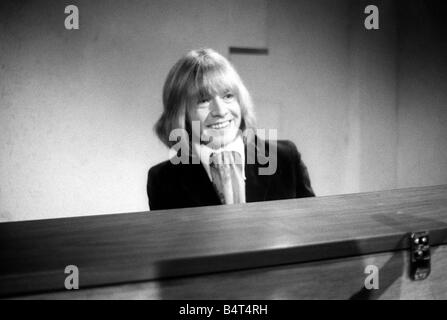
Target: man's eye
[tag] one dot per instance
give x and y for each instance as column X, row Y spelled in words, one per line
column 203, row 101
column 228, row 96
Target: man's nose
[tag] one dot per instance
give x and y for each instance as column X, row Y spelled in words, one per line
column 218, row 107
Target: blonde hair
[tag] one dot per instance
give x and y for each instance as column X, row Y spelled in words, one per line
column 199, row 73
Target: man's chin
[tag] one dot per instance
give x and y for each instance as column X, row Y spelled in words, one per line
column 219, row 142
column 216, row 144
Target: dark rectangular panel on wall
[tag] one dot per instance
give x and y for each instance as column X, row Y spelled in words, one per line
column 252, row 51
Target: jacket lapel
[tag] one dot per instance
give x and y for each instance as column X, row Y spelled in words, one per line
column 256, row 186
column 197, row 186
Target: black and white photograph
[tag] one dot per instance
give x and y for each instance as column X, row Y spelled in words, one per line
column 210, row 150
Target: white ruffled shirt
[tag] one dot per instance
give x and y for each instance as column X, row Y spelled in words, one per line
column 205, row 152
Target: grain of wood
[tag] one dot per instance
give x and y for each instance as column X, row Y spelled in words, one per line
column 122, row 248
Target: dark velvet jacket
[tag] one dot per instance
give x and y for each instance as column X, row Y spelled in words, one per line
column 172, row 186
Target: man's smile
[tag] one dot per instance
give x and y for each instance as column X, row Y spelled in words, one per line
column 220, row 124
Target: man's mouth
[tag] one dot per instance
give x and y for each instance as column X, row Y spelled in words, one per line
column 220, row 125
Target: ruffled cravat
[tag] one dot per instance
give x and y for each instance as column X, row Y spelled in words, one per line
column 226, row 173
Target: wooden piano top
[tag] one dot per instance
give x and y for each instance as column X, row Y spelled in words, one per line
column 122, row 248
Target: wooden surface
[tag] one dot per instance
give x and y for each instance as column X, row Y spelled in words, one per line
column 114, row 249
column 341, row 278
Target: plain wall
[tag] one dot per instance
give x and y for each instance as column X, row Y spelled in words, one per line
column 77, row 107
column 422, row 92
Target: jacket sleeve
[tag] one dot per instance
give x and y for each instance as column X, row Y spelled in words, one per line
column 303, row 184
column 153, row 190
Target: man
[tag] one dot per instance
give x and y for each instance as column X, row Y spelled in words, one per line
column 225, row 161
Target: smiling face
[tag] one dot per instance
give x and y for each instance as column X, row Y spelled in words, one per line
column 204, row 88
column 219, row 115
column 214, row 104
